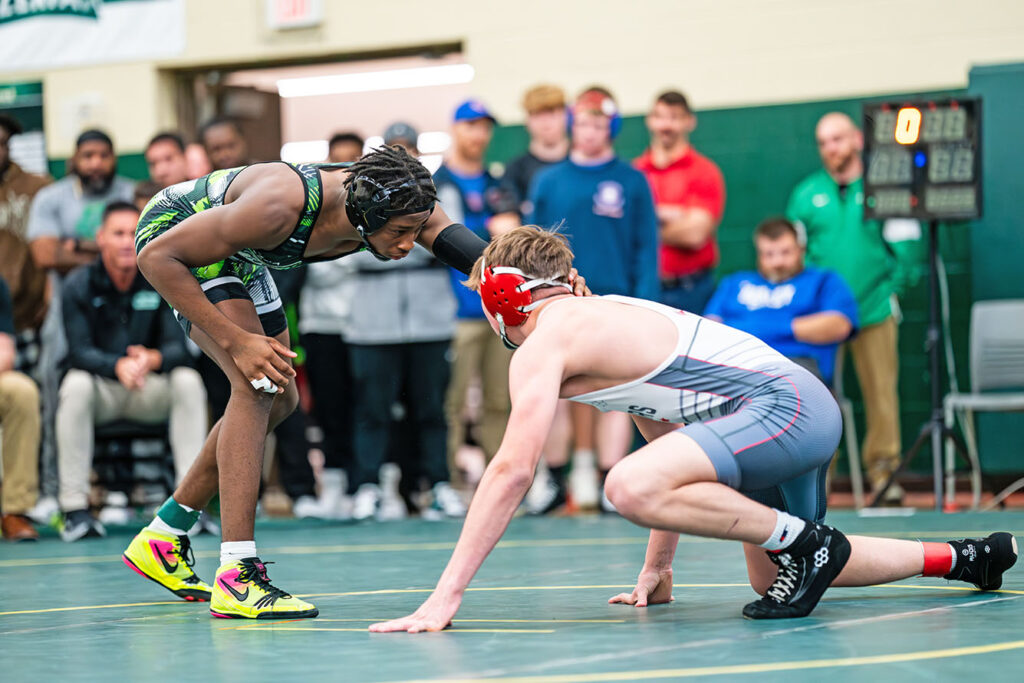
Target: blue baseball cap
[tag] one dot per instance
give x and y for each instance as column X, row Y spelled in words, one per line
column 472, row 110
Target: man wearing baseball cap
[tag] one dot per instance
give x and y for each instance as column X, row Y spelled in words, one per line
column 473, row 197
column 402, row 134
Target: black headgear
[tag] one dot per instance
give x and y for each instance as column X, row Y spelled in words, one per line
column 368, row 206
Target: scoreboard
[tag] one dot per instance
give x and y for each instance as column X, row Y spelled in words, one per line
column 922, row 159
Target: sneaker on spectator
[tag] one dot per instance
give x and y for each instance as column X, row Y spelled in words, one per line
column 366, row 502
column 336, row 504
column 45, row 512
column 545, row 496
column 308, row 507
column 79, row 524
column 206, row 524
column 606, row 505
column 392, row 505
column 583, row 480
column 115, row 511
column 446, row 503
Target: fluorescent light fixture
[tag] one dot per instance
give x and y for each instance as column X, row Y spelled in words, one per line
column 394, row 79
column 305, row 150
column 432, row 162
column 372, row 143
column 433, row 142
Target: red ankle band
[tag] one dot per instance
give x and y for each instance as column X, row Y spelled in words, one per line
column 938, row 559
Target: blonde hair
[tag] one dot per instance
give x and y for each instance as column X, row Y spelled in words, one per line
column 530, row 248
column 543, row 97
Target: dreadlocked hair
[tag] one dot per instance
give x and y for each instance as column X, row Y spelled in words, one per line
column 392, row 167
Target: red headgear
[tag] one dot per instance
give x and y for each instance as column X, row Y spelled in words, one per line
column 507, row 295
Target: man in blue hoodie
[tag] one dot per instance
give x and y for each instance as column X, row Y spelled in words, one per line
column 468, row 191
column 609, row 218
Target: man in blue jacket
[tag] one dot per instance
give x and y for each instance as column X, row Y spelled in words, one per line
column 804, row 313
column 609, row 218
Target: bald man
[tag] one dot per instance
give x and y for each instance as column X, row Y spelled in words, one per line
column 878, row 262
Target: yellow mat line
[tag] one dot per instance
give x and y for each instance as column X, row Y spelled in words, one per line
column 766, row 667
column 275, row 629
column 483, row 589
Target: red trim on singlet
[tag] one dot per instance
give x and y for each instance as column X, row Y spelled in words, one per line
column 796, row 414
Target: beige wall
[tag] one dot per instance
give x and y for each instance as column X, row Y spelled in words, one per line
column 721, row 52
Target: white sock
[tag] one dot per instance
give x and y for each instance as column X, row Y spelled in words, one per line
column 787, row 528
column 584, row 457
column 232, row 551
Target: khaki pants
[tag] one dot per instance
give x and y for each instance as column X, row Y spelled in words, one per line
column 19, row 422
column 876, row 360
column 478, row 352
column 87, row 400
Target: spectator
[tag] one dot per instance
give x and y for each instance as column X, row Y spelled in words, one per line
column 61, row 229
column 19, row 422
column 128, row 362
column 399, row 331
column 16, row 186
column 144, row 191
column 345, row 148
column 225, row 143
column 610, row 221
column 467, row 192
column 196, row 161
column 828, row 205
column 689, row 197
column 549, row 143
column 324, row 306
column 65, row 216
column 165, row 158
column 403, row 135
column 804, row 313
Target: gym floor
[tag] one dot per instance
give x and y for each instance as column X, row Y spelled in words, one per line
column 536, row 612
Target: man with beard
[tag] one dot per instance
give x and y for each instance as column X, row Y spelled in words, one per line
column 16, row 186
column 804, row 313
column 689, row 196
column 61, row 231
column 877, row 263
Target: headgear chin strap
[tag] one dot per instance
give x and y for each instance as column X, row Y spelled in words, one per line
column 368, row 207
column 506, row 294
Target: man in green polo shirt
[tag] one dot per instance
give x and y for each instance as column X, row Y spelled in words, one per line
column 877, row 262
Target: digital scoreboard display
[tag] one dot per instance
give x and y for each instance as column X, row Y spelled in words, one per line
column 922, row 159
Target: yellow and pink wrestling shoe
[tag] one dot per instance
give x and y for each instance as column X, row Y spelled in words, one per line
column 243, row 591
column 167, row 560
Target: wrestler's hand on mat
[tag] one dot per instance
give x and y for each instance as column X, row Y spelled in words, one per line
column 653, row 587
column 433, row 615
column 259, row 358
column 579, row 284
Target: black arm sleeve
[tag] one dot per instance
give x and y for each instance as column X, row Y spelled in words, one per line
column 459, row 247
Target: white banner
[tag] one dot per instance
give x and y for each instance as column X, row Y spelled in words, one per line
column 48, row 34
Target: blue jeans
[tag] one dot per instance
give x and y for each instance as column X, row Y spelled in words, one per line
column 689, row 293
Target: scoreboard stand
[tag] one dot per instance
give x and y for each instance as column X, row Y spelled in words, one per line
column 922, row 160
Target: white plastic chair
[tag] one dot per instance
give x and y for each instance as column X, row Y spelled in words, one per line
column 997, row 363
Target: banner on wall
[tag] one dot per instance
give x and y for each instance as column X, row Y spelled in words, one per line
column 49, row 34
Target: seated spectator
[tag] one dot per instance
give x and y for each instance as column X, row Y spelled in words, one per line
column 19, row 420
column 16, row 186
column 128, row 362
column 803, row 312
column 225, row 143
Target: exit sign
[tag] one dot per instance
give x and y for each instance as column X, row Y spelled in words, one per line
column 283, row 14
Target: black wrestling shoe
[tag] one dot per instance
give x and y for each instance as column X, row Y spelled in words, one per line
column 982, row 561
column 806, row 569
